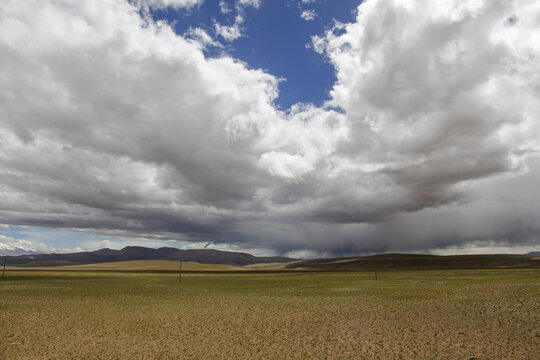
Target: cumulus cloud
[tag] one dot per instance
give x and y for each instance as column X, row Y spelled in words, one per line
column 422, row 87
column 10, row 246
column 224, row 7
column 235, row 30
column 229, row 33
column 202, row 38
column 117, row 125
column 308, row 15
column 246, row 3
column 161, row 4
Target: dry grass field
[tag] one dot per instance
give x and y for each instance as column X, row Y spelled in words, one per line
column 490, row 314
column 142, row 265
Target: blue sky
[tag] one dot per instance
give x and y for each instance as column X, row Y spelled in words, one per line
column 45, row 239
column 276, row 39
column 61, row 239
column 173, row 123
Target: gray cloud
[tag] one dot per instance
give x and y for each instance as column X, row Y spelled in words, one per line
column 117, row 125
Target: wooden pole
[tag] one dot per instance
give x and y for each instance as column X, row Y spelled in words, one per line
column 375, row 273
column 4, row 270
column 179, row 270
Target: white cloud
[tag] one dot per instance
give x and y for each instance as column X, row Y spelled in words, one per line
column 161, row 4
column 224, row 7
column 428, row 109
column 246, row 3
column 285, row 165
column 308, row 15
column 202, row 38
column 229, row 33
column 12, row 247
column 117, row 125
column 234, row 31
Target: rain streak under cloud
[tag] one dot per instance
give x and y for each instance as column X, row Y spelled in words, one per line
column 112, row 123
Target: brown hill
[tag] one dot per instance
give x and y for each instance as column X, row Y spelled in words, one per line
column 417, row 261
column 203, row 256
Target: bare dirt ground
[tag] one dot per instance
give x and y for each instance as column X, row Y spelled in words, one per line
column 404, row 315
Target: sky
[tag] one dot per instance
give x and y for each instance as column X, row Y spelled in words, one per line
column 302, row 128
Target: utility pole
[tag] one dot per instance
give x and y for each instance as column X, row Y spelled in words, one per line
column 375, row 272
column 4, row 271
column 179, row 270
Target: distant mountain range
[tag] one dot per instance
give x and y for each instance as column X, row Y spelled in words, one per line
column 211, row 256
column 203, row 256
column 420, row 261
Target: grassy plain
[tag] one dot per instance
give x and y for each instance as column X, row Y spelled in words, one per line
column 488, row 314
column 141, row 265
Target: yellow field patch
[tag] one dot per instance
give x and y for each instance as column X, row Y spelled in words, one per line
column 142, row 265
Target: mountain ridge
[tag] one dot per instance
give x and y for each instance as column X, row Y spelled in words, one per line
column 419, row 261
column 205, row 256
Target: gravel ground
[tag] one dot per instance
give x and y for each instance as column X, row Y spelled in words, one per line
column 403, row 315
